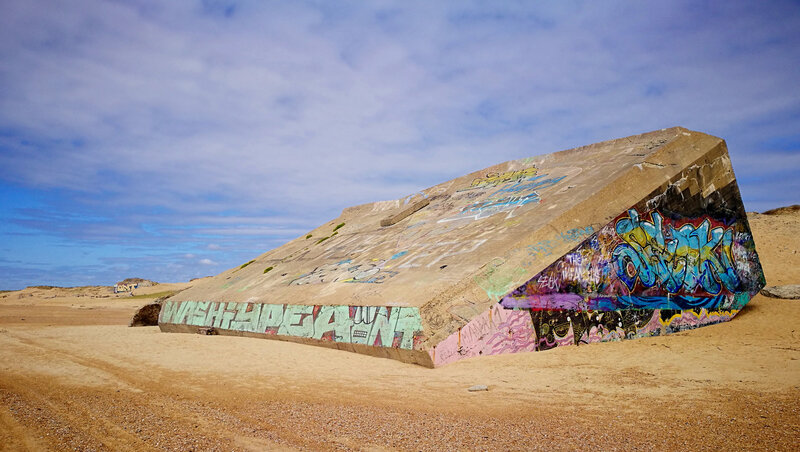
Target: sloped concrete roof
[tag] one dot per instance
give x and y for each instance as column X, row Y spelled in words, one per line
column 454, row 249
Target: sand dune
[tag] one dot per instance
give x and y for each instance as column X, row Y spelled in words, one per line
column 73, row 376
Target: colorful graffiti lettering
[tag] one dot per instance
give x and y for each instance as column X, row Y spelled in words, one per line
column 632, row 263
column 640, row 275
column 636, row 277
column 380, row 326
column 494, row 179
column 674, row 321
column 484, row 209
column 695, row 255
column 528, row 185
column 506, row 199
column 578, row 302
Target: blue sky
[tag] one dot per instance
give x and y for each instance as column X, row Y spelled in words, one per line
column 173, row 140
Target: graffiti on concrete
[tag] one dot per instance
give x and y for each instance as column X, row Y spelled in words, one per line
column 379, row 271
column 635, row 263
column 374, row 258
column 494, row 179
column 575, row 234
column 495, row 281
column 120, row 288
column 519, row 191
column 493, row 332
column 346, row 271
column 414, row 195
column 674, row 320
column 381, row 206
column 572, row 301
column 499, row 330
column 559, row 328
column 583, row 298
column 674, row 258
column 527, row 185
column 429, row 255
column 130, row 284
column 544, row 248
column 379, row 326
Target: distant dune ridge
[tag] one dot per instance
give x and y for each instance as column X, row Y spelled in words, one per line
column 783, row 210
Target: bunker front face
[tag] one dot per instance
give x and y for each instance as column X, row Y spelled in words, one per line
column 639, row 236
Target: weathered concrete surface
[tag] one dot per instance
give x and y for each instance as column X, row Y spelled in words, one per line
column 632, row 237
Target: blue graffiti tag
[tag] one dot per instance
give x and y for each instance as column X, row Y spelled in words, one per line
column 692, row 257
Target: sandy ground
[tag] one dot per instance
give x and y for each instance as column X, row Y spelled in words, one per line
column 73, row 376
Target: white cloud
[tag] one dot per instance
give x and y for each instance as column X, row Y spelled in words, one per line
column 206, row 262
column 300, row 112
column 260, row 122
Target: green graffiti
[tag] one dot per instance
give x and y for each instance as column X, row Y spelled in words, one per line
column 380, row 326
column 496, row 280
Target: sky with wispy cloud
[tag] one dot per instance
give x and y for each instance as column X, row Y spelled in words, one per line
column 173, row 140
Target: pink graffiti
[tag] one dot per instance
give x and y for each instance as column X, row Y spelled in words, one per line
column 496, row 331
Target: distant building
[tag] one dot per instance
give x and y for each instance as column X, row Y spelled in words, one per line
column 130, row 284
column 119, row 287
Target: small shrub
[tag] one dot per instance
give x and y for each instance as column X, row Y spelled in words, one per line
column 267, row 269
column 164, row 294
column 246, row 264
column 322, row 240
column 338, row 226
column 308, row 236
column 147, row 315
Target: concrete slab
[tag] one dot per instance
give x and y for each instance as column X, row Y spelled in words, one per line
column 636, row 236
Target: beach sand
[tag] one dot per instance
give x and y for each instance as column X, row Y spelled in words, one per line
column 74, row 376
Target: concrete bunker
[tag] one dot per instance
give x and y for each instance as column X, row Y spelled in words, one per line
column 634, row 237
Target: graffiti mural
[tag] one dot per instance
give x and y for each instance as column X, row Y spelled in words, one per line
column 674, row 258
column 379, row 326
column 643, row 274
column 646, row 261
